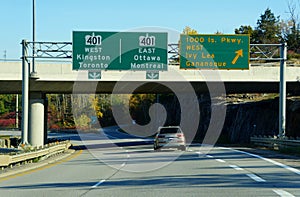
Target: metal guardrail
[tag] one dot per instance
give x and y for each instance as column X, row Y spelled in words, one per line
column 275, row 143
column 8, row 160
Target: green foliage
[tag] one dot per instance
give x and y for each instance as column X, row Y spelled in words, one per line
column 246, row 29
column 139, row 107
column 60, row 111
column 268, row 28
column 271, row 30
column 291, row 35
column 7, row 103
column 83, row 122
column 8, row 110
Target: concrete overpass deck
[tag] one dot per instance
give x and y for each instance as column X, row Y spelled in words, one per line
column 60, row 78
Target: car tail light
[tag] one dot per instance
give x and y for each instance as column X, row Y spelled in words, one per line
column 180, row 135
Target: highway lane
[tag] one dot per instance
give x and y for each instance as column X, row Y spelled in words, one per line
column 116, row 164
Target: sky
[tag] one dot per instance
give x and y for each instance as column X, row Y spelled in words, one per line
column 56, row 19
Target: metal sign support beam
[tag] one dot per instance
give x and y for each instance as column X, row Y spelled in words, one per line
column 25, row 93
column 282, row 92
column 55, row 50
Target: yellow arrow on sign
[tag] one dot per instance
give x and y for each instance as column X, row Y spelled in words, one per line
column 239, row 53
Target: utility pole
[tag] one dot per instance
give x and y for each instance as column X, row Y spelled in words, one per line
column 33, row 74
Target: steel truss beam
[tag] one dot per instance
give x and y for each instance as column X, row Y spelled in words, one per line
column 57, row 50
column 52, row 50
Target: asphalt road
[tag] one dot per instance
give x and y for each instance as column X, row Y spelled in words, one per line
column 115, row 164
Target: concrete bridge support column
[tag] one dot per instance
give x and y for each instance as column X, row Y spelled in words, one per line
column 36, row 119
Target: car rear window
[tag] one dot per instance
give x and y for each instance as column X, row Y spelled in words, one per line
column 168, row 130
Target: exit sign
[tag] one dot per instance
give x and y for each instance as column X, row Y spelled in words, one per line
column 214, row 51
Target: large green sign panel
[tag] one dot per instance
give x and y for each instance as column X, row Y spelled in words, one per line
column 120, row 51
column 214, row 51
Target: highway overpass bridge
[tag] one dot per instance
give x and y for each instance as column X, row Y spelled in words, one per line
column 60, row 78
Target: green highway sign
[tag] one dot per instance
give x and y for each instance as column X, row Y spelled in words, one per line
column 94, row 74
column 214, row 51
column 120, row 51
column 153, row 75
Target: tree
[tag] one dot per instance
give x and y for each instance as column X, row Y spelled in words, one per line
column 268, row 29
column 290, row 29
column 139, row 105
column 246, row 29
column 7, row 103
column 291, row 35
column 189, row 31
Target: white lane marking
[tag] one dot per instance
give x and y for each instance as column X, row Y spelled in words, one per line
column 283, row 193
column 236, row 167
column 202, row 154
column 123, row 164
column 209, row 156
column 127, row 151
column 283, row 166
column 266, row 159
column 221, row 160
column 99, row 183
column 256, row 178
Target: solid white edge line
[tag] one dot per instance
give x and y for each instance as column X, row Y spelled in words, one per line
column 283, row 193
column 99, row 183
column 266, row 159
column 256, row 178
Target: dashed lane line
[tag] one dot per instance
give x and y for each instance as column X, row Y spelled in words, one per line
column 283, row 193
column 236, row 167
column 256, row 178
column 280, row 192
column 220, row 160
